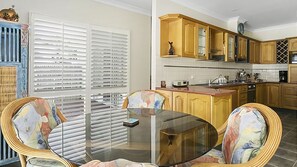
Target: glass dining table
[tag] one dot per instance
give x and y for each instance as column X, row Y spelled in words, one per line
column 161, row 137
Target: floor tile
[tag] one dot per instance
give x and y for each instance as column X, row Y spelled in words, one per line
column 281, row 162
column 288, row 146
column 286, row 154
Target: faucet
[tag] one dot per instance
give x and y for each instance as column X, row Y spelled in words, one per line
column 220, row 79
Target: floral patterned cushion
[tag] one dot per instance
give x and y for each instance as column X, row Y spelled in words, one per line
column 213, row 156
column 34, row 121
column 145, row 99
column 41, row 162
column 117, row 163
column 244, row 136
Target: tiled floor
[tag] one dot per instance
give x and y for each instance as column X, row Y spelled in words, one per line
column 286, row 155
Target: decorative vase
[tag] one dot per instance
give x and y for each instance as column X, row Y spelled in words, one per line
column 171, row 49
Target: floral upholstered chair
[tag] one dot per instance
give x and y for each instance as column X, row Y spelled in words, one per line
column 252, row 135
column 26, row 124
column 145, row 99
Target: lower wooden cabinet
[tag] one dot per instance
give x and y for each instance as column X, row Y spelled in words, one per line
column 235, row 96
column 289, row 96
column 221, row 110
column 180, row 102
column 260, row 93
column 273, row 93
column 199, row 106
column 214, row 109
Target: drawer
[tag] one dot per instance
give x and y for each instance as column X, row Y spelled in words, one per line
column 243, row 88
column 243, row 96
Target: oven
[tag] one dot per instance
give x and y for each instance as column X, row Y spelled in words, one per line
column 251, row 93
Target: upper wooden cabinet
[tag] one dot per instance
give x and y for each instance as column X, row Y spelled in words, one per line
column 216, row 42
column 189, row 38
column 242, row 48
column 254, row 52
column 189, row 34
column 268, row 52
column 293, row 44
column 230, row 47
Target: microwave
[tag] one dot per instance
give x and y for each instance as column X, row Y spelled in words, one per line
column 293, row 58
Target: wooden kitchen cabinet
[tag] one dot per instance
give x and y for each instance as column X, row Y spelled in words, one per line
column 242, row 48
column 189, row 35
column 273, row 92
column 260, row 93
column 254, row 52
column 216, row 42
column 242, row 92
column 292, row 73
column 289, row 96
column 180, row 102
column 199, row 106
column 292, row 44
column 235, row 96
column 221, row 110
column 230, row 47
column 268, row 52
column 189, row 38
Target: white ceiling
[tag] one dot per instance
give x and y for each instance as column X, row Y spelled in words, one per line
column 258, row 13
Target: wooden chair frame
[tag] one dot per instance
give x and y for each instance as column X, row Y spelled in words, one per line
column 274, row 130
column 165, row 103
column 11, row 136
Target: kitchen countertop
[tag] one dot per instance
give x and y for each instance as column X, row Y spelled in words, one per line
column 213, row 89
column 199, row 90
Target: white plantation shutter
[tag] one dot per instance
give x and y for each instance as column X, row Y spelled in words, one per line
column 59, row 56
column 107, row 128
column 84, row 69
column 109, row 58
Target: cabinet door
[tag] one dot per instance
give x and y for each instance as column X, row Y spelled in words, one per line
column 222, row 108
column 293, row 44
column 268, row 52
column 242, row 48
column 273, row 93
column 202, row 39
column 190, row 31
column 235, row 101
column 254, row 52
column 260, row 93
column 289, row 96
column 292, row 73
column 180, row 102
column 230, row 47
column 199, row 106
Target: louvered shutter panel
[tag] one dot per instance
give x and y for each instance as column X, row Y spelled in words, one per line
column 59, row 56
column 109, row 58
column 71, row 106
column 107, row 128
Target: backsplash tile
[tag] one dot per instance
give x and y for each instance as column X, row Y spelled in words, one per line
column 198, row 72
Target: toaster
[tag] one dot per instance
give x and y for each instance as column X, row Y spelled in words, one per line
column 180, row 83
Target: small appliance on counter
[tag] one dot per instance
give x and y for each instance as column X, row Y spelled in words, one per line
column 283, row 76
column 180, row 83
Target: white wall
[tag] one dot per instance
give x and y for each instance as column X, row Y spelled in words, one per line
column 91, row 12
